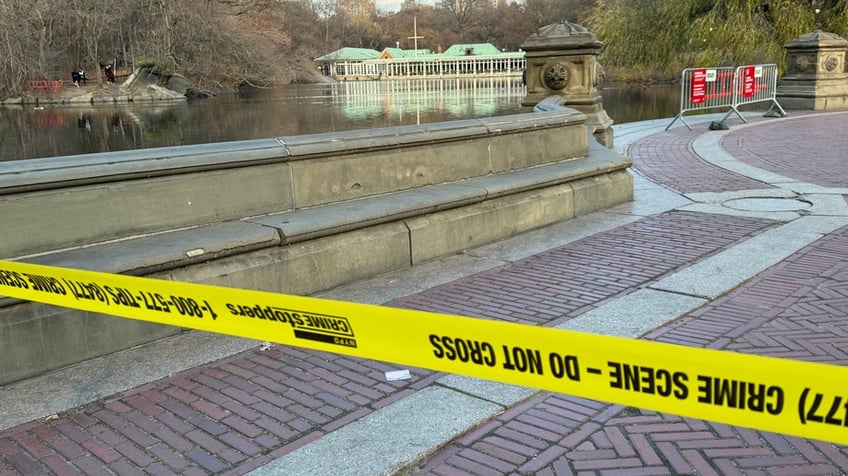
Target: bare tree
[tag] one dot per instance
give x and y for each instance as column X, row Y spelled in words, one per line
column 92, row 23
column 462, row 12
column 545, row 12
column 505, row 26
column 326, row 11
column 33, row 34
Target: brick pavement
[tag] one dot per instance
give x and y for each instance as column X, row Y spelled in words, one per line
column 670, row 160
column 774, row 147
column 795, row 310
column 224, row 418
column 239, row 413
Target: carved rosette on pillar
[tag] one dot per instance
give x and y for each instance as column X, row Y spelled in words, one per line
column 815, row 75
column 562, row 60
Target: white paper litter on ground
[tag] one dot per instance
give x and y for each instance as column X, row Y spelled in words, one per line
column 398, row 375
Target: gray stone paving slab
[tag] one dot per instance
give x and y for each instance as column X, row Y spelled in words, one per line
column 389, row 439
column 635, row 314
column 88, row 381
column 641, row 183
column 649, row 199
column 720, row 197
column 815, row 224
column 810, row 188
column 827, row 204
column 768, row 204
column 720, row 273
column 500, row 393
column 719, row 209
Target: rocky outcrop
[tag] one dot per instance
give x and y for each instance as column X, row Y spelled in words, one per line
column 142, row 86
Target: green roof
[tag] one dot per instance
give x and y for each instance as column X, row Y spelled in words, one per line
column 363, row 54
column 472, row 49
column 395, row 52
column 417, row 53
column 352, row 54
column 398, row 53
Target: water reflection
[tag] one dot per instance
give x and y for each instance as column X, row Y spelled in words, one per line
column 631, row 104
column 424, row 100
column 27, row 132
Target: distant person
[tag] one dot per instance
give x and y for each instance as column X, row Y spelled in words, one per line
column 110, row 75
column 76, row 77
column 84, row 121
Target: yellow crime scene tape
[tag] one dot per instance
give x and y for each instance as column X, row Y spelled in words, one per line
column 785, row 396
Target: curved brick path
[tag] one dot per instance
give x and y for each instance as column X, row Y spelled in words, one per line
column 242, row 412
column 669, row 159
column 813, row 149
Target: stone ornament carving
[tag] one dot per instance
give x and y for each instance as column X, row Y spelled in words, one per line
column 802, row 63
column 600, row 74
column 831, row 63
column 555, row 76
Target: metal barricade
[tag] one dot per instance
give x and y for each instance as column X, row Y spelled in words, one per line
column 705, row 88
column 755, row 83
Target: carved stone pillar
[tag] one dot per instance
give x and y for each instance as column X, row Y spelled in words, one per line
column 562, row 59
column 815, row 75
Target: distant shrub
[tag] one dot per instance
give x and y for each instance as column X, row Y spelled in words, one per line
column 157, row 66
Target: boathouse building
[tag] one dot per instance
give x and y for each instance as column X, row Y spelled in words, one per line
column 476, row 59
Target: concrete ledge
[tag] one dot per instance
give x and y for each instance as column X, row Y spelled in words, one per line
column 65, row 217
column 455, row 230
column 49, row 173
column 113, row 196
column 164, row 251
column 37, row 338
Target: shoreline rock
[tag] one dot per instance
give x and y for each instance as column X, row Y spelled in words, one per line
column 142, row 86
column 84, row 96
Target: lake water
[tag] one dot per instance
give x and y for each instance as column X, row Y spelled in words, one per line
column 27, row 132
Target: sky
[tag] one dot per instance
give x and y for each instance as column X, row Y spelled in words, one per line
column 388, row 5
column 394, row 5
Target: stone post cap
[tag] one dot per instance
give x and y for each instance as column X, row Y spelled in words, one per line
column 817, row 40
column 563, row 34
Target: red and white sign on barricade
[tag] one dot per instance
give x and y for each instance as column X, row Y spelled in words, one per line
column 726, row 87
column 704, row 88
column 755, row 83
column 698, row 93
column 748, row 75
